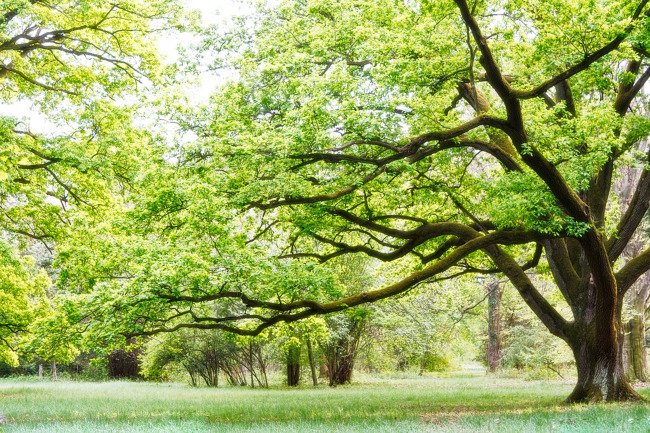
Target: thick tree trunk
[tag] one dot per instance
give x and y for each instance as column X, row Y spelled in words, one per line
column 494, row 326
column 601, row 375
column 597, row 333
column 293, row 374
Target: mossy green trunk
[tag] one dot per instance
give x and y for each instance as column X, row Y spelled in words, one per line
column 599, row 362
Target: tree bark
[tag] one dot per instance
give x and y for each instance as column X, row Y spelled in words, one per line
column 293, row 366
column 636, row 355
column 341, row 368
column 310, row 352
column 494, row 326
column 601, row 375
column 636, row 363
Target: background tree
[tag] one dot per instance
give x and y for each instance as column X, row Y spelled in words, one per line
column 634, row 317
column 341, row 348
column 494, row 344
column 204, row 355
column 69, row 63
column 430, row 329
column 51, row 338
column 22, row 300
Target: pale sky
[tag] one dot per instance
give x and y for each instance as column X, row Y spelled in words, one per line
column 214, row 11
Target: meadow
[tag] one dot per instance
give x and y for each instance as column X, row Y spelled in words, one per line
column 458, row 403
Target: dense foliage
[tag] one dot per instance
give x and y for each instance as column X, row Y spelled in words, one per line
column 432, row 139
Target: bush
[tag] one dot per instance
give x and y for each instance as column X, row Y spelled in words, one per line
column 437, row 363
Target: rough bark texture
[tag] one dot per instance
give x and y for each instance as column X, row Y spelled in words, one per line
column 600, row 373
column 595, row 340
column 495, row 292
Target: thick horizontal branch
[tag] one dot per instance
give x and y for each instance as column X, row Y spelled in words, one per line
column 490, row 148
column 481, row 120
column 372, row 225
column 288, row 312
column 333, row 158
column 447, row 139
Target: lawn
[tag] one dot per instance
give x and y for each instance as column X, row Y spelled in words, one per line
column 415, row 404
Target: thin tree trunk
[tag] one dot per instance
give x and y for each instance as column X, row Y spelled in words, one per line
column 250, row 360
column 636, row 358
column 262, row 364
column 495, row 292
column 40, row 371
column 310, row 352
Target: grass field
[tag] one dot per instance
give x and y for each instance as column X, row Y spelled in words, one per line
column 419, row 404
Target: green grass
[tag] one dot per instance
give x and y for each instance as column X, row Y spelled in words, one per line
column 454, row 404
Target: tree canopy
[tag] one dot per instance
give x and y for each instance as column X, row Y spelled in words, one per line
column 433, row 138
column 75, row 65
column 71, row 61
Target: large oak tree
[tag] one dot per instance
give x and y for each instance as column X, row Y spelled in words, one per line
column 441, row 137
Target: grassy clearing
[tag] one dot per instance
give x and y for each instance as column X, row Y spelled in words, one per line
column 455, row 404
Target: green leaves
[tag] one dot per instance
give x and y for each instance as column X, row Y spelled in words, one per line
column 344, row 130
column 22, row 301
